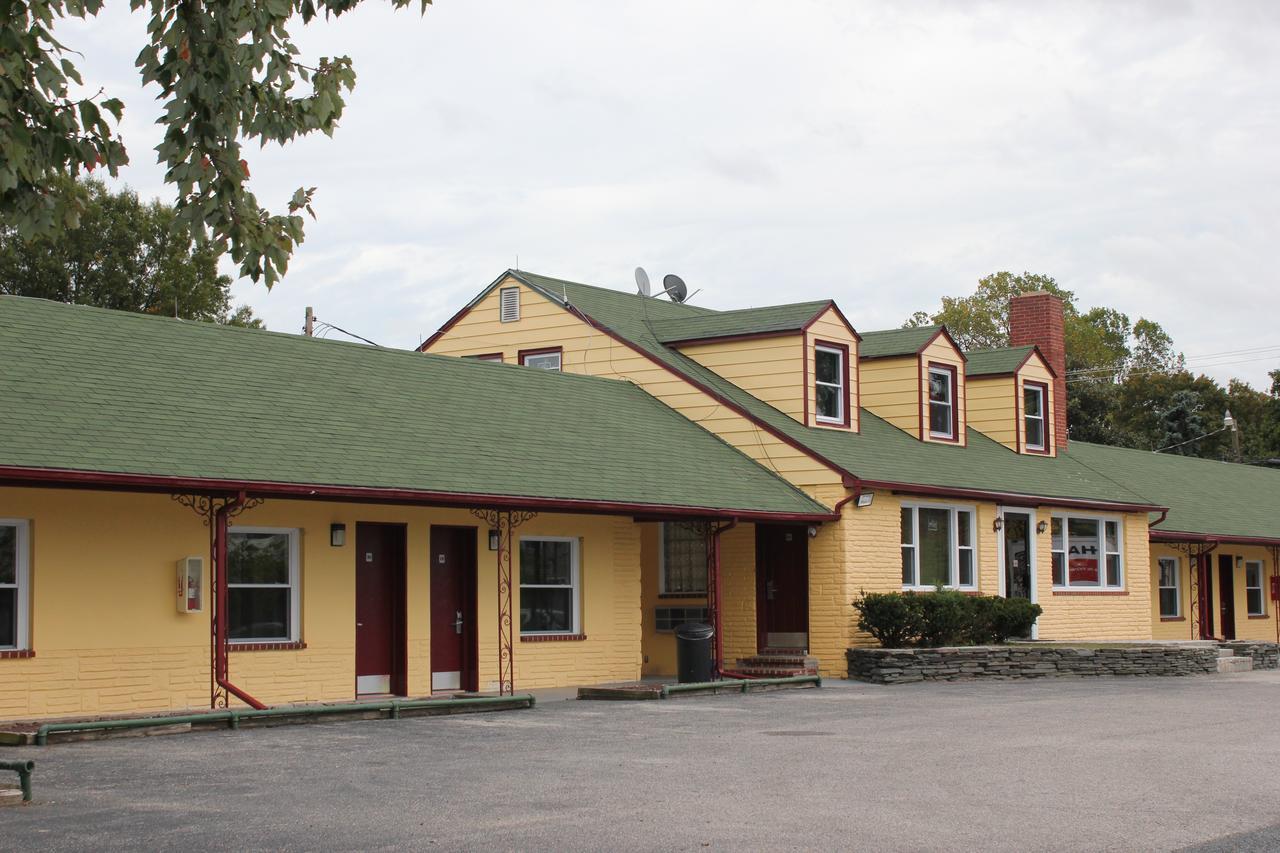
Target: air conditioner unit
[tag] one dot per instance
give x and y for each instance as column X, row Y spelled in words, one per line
column 191, row 585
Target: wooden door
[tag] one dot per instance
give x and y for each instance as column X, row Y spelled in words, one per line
column 380, row 608
column 453, row 609
column 1227, row 595
column 782, row 586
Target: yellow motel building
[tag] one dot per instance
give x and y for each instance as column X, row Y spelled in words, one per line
column 194, row 514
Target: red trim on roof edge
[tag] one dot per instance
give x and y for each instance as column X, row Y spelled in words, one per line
column 17, row 476
column 1180, row 536
column 978, row 494
column 832, row 306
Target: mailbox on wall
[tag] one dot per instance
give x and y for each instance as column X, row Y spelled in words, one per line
column 190, row 585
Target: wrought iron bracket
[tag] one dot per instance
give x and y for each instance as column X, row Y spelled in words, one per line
column 505, row 522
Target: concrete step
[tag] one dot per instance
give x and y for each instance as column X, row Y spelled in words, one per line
column 1224, row 652
column 1234, row 664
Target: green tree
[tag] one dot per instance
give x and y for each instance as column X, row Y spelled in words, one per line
column 226, row 72
column 126, row 255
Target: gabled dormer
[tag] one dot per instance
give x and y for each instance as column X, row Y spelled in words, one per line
column 1012, row 398
column 915, row 379
column 801, row 358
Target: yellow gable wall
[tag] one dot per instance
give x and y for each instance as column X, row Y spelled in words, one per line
column 108, row 638
column 890, row 387
column 941, row 352
column 991, row 408
column 586, row 350
column 1247, row 627
column 770, row 368
column 829, row 327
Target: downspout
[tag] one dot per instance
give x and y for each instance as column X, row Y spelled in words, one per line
column 849, row 483
column 713, row 565
column 1164, row 513
column 221, row 674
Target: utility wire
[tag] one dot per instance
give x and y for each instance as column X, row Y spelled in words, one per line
column 345, row 332
column 1190, row 440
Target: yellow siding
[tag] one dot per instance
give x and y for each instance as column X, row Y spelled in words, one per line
column 990, row 409
column 1247, row 627
column 108, row 638
column 890, row 387
column 829, row 327
column 586, row 350
column 940, row 351
column 768, row 368
column 1035, row 371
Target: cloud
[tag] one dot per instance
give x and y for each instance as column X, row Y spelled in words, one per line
column 881, row 153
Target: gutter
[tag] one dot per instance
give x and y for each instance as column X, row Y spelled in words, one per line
column 1211, row 538
column 1010, row 497
column 221, row 670
column 24, row 476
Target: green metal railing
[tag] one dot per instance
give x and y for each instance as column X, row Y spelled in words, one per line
column 744, row 684
column 232, row 717
column 23, row 769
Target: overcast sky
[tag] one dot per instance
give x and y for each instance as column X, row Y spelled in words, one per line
column 883, row 154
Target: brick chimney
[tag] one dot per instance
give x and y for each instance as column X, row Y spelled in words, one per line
column 1036, row 318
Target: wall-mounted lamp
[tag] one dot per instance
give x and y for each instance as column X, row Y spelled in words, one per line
column 493, row 540
column 813, row 531
column 865, row 499
column 998, row 524
column 1239, row 561
column 337, row 535
column 1042, row 527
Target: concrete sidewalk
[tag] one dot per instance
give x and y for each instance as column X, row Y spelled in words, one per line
column 1083, row 764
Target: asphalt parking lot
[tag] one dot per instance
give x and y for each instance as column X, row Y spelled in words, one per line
column 1103, row 764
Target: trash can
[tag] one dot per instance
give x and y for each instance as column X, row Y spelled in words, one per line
column 693, row 652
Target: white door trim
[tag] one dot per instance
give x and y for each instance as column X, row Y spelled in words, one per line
column 1030, row 512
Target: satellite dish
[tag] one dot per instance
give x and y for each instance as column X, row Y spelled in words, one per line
column 674, row 286
column 642, row 281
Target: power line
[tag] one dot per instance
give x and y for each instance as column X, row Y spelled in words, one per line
column 320, row 322
column 1190, row 440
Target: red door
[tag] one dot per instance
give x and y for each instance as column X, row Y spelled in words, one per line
column 380, row 608
column 782, row 586
column 1227, row 595
column 453, row 609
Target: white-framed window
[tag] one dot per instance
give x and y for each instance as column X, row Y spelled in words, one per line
column 1033, row 415
column 684, row 559
column 1090, row 554
column 828, row 384
column 938, row 546
column 262, row 585
column 942, row 407
column 549, row 585
column 1170, row 586
column 1253, row 592
column 509, row 304
column 15, row 583
column 548, row 360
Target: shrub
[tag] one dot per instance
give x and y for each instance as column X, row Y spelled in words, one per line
column 890, row 617
column 943, row 618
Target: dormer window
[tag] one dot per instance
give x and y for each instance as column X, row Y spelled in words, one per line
column 1033, row 416
column 942, row 406
column 830, row 384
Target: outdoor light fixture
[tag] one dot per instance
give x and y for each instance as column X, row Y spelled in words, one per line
column 1239, row 561
column 865, row 499
column 337, row 535
column 813, row 531
column 998, row 524
column 1042, row 527
column 493, row 540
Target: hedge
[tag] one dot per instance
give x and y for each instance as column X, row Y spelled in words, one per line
column 943, row 617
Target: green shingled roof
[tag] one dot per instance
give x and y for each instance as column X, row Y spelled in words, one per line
column 880, row 451
column 105, row 391
column 892, row 342
column 747, row 321
column 1204, row 496
column 993, row 362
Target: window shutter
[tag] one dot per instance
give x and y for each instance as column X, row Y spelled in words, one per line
column 509, row 304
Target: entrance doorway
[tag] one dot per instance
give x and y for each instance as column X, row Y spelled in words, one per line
column 1018, row 555
column 1227, row 595
column 1204, row 594
column 380, row 609
column 453, row 609
column 782, row 587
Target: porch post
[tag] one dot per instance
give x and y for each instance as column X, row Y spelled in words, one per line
column 715, row 594
column 504, row 522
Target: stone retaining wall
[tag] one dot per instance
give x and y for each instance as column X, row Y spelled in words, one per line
column 896, row 666
column 1265, row 655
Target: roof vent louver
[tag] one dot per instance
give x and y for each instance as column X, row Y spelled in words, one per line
column 509, row 304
